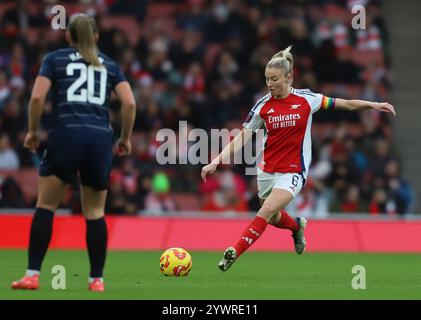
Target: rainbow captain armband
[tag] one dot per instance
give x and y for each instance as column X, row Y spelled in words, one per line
column 328, row 103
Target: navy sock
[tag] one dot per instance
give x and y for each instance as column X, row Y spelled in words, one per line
column 40, row 236
column 96, row 241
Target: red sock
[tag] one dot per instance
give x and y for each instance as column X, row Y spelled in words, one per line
column 251, row 234
column 287, row 222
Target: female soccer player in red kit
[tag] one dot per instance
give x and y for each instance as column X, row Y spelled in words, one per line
column 286, row 114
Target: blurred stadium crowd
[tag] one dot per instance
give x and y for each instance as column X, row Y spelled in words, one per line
column 203, row 62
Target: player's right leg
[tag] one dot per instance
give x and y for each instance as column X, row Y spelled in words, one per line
column 94, row 175
column 277, row 199
column 50, row 193
column 93, row 206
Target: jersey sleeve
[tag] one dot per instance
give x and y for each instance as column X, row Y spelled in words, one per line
column 119, row 76
column 253, row 121
column 319, row 101
column 47, row 67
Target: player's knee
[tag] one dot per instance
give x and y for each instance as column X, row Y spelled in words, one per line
column 93, row 214
column 47, row 205
column 267, row 211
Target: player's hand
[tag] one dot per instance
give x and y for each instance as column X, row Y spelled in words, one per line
column 123, row 147
column 208, row 169
column 31, row 141
column 384, row 107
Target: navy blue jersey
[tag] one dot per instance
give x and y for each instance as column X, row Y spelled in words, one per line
column 81, row 95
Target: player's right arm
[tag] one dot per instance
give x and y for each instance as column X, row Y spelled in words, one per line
column 231, row 148
column 253, row 123
column 128, row 114
column 36, row 106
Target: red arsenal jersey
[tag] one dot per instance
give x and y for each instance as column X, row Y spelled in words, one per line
column 287, row 124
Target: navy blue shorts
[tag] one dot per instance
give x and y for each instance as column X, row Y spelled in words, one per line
column 66, row 159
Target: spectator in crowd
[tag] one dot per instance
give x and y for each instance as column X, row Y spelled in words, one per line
column 226, row 199
column 252, row 197
column 8, row 156
column 5, row 89
column 11, row 195
column 194, row 18
column 351, row 201
column 227, row 192
column 123, row 184
column 381, row 157
column 378, row 202
column 399, row 191
column 13, row 122
column 159, row 199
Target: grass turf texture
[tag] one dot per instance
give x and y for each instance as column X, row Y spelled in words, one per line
column 256, row 275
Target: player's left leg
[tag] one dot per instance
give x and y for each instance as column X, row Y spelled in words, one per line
column 93, row 204
column 283, row 220
column 277, row 199
column 292, row 183
column 50, row 193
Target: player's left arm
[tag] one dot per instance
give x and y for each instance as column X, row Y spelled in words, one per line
column 358, row 105
column 36, row 106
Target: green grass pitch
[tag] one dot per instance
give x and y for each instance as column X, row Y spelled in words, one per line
column 256, row 275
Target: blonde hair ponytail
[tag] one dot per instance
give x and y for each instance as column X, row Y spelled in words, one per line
column 82, row 30
column 283, row 60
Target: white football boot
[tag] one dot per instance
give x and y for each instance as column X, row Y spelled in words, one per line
column 299, row 239
column 230, row 255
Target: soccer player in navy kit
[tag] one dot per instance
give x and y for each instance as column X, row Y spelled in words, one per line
column 81, row 79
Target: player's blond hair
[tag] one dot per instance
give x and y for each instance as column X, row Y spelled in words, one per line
column 82, row 29
column 282, row 60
